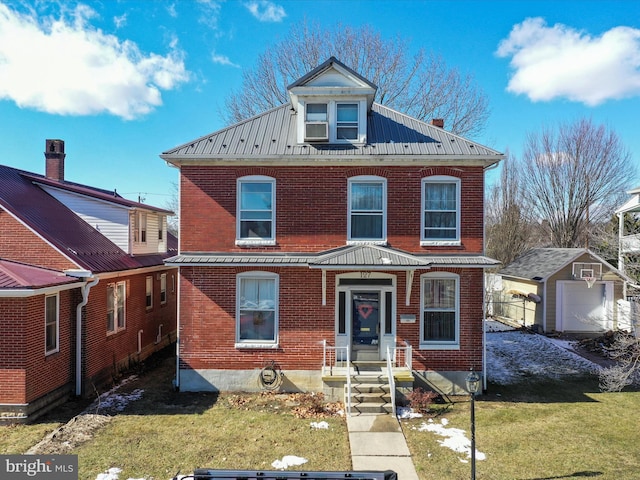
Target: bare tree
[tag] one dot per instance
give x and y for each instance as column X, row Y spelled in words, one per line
column 508, row 230
column 625, row 351
column 173, row 222
column 571, row 173
column 421, row 86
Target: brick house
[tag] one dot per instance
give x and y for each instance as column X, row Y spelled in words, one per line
column 329, row 233
column 84, row 292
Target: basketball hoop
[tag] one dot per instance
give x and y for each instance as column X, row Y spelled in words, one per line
column 590, row 281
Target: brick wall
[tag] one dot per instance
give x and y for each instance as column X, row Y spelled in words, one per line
column 22, row 245
column 107, row 355
column 208, row 325
column 312, row 216
column 26, row 371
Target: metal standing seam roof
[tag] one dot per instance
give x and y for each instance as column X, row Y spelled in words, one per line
column 15, row 275
column 348, row 257
column 58, row 225
column 367, row 256
column 272, row 135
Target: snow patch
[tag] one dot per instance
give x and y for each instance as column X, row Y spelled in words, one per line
column 455, row 438
column 320, row 425
column 515, row 355
column 288, row 461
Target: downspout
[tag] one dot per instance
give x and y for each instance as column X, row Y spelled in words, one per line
column 91, row 282
column 176, row 384
column 484, row 286
column 85, row 298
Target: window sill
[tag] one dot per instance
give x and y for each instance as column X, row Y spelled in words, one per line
column 439, row 346
column 440, row 243
column 255, row 243
column 271, row 346
column 367, row 242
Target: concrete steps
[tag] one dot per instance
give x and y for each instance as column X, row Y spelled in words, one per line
column 370, row 389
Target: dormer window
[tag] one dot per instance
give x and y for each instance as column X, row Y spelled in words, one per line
column 334, row 121
column 347, row 121
column 316, row 125
column 331, row 103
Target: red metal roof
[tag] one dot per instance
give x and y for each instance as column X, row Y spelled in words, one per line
column 84, row 245
column 14, row 275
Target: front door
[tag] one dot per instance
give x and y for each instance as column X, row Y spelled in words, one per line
column 365, row 331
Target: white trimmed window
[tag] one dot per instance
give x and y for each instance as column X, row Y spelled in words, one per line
column 316, row 125
column 116, row 301
column 440, row 308
column 256, row 210
column 367, row 209
column 333, row 121
column 347, row 121
column 149, row 286
column 51, row 323
column 140, row 227
column 440, row 222
column 257, row 309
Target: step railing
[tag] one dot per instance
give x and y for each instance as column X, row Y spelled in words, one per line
column 397, row 357
column 392, row 381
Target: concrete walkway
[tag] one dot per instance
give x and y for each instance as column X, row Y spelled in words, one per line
column 378, row 444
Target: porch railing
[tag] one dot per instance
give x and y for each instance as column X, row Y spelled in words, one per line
column 331, row 355
column 402, row 356
column 336, row 357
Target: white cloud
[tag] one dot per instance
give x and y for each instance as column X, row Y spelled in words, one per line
column 120, row 21
column 561, row 62
column 65, row 66
column 223, row 60
column 266, row 11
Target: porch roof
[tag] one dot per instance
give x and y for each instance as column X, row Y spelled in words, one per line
column 368, row 256
column 351, row 256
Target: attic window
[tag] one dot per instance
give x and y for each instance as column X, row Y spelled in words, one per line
column 347, row 121
column 316, row 122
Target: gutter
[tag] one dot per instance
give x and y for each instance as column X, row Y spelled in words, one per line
column 91, row 282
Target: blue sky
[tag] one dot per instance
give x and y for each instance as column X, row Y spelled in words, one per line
column 122, row 81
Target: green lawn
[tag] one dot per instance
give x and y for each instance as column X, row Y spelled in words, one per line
column 550, row 430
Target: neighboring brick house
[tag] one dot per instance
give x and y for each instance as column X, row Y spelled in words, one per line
column 328, row 228
column 84, row 292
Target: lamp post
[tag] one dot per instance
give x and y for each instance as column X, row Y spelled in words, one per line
column 473, row 383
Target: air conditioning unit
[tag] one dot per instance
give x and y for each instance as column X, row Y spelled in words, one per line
column 316, row 131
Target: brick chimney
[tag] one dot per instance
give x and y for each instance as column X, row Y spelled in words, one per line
column 54, row 155
column 438, row 122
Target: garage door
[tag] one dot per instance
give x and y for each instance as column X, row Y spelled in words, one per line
column 583, row 309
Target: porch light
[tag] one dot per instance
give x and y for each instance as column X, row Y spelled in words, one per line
column 473, row 384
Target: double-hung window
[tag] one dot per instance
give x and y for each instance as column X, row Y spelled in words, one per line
column 51, row 323
column 316, row 125
column 367, row 209
column 256, row 210
column 116, row 301
column 440, row 211
column 149, row 287
column 257, row 309
column 347, row 121
column 163, row 288
column 440, row 305
column 140, row 227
